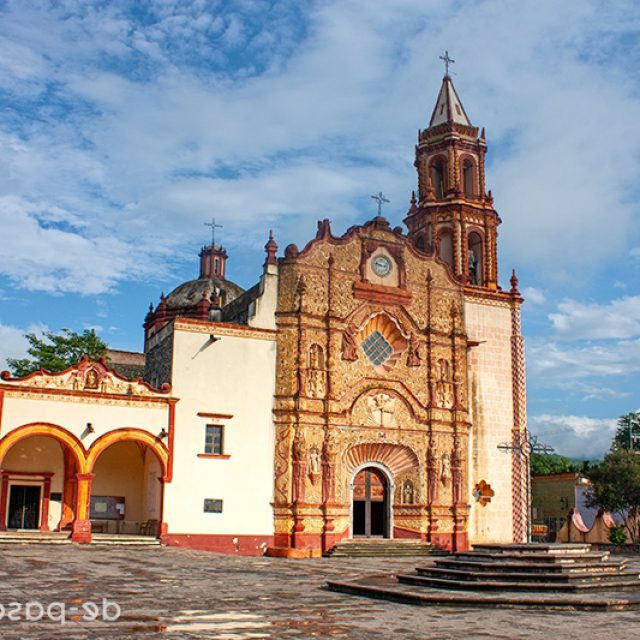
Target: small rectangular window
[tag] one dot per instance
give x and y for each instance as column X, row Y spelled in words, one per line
column 212, row 505
column 214, row 439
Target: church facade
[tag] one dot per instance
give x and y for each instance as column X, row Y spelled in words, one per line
column 360, row 388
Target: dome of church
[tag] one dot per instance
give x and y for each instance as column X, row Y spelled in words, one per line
column 189, row 293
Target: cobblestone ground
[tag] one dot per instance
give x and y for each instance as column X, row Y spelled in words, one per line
column 169, row 593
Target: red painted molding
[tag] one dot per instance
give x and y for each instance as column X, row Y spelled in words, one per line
column 217, row 416
column 381, row 293
column 241, row 545
column 219, row 456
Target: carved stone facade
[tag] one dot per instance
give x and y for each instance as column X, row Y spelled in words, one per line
column 369, row 373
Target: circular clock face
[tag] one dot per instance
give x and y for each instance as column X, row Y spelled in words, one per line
column 381, row 265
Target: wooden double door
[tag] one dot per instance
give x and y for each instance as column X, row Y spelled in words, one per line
column 370, row 504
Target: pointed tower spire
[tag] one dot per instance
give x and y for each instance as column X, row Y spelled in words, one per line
column 448, row 106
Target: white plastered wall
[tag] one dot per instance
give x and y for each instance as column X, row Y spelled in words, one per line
column 491, row 400
column 74, row 414
column 235, row 375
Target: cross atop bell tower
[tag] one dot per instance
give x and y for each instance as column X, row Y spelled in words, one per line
column 452, row 214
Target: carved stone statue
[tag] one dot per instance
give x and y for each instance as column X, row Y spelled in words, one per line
column 349, row 345
column 316, row 376
column 407, row 492
column 473, row 267
column 299, row 446
column 382, row 407
column 432, row 477
column 444, row 386
column 445, row 468
column 314, row 460
column 413, row 357
column 457, row 477
column 299, row 450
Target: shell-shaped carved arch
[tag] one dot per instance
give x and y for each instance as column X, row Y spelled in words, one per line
column 382, row 341
column 398, row 458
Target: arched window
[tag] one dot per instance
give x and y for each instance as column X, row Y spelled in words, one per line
column 420, row 244
column 475, row 258
column 439, row 177
column 216, row 266
column 446, row 247
column 468, row 179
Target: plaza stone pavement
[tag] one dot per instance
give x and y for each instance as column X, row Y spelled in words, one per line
column 169, row 593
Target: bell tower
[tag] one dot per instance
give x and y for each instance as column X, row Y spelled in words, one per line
column 452, row 214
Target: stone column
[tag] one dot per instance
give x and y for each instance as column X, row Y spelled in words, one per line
column 4, row 496
column 519, row 463
column 81, row 530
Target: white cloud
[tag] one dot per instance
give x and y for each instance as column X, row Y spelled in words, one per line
column 313, row 108
column 548, row 362
column 574, row 436
column 617, row 319
column 13, row 344
column 534, row 296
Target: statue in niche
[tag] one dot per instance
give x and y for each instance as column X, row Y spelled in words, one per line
column 413, row 357
column 314, row 464
column 299, row 446
column 444, row 385
column 473, row 267
column 382, row 408
column 445, row 468
column 91, row 380
column 457, row 477
column 432, row 476
column 407, row 492
column 299, row 450
column 349, row 345
column 314, row 460
column 316, row 386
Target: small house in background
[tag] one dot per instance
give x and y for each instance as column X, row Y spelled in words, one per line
column 554, row 496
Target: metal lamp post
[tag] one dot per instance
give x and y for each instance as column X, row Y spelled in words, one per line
column 523, row 445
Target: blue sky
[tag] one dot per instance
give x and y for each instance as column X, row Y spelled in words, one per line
column 124, row 126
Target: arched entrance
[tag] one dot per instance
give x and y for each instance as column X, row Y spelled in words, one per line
column 38, row 467
column 371, row 513
column 127, row 486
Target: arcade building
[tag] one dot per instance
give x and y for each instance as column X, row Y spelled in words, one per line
column 360, row 388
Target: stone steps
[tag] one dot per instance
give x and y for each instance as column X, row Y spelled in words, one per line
column 35, row 537
column 621, row 584
column 369, row 548
column 533, row 568
column 593, row 556
column 126, row 540
column 514, row 576
column 546, row 576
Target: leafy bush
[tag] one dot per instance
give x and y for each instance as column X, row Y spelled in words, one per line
column 618, row 534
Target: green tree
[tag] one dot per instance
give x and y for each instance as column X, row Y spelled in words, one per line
column 616, row 488
column 55, row 352
column 628, row 432
column 545, row 464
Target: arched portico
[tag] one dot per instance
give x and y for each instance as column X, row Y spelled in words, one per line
column 128, row 468
column 39, row 466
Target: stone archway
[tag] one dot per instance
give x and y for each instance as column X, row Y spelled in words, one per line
column 371, row 500
column 128, row 470
column 40, row 465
